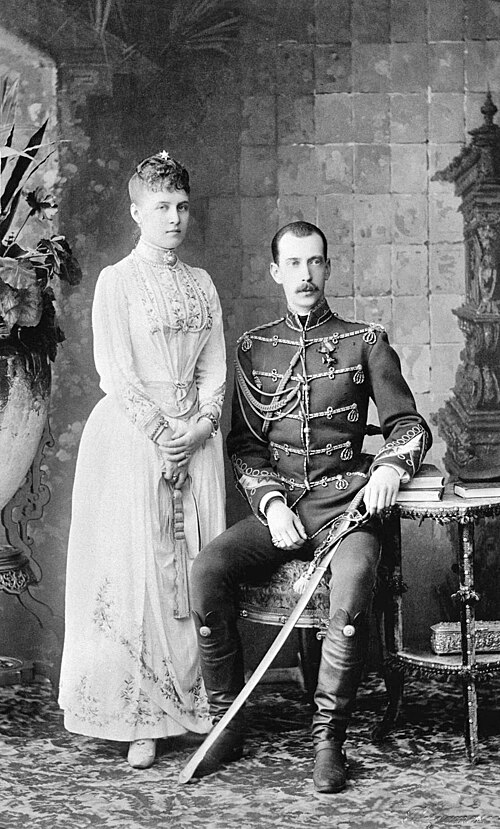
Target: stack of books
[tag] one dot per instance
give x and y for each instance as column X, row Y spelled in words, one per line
column 426, row 485
column 477, row 489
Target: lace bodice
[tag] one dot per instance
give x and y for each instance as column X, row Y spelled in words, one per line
column 175, row 296
column 158, row 337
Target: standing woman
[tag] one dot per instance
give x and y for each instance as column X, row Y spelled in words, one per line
column 149, row 484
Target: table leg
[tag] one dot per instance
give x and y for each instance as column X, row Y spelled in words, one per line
column 468, row 598
column 394, row 683
column 471, row 735
column 389, row 616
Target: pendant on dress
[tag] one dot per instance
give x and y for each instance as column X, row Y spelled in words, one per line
column 170, row 258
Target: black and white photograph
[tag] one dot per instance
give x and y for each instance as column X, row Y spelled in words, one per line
column 249, row 414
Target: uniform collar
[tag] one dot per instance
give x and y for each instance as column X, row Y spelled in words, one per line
column 156, row 254
column 320, row 313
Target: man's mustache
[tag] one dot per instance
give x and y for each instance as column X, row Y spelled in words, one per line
column 308, row 288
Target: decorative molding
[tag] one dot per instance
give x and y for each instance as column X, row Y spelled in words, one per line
column 29, row 501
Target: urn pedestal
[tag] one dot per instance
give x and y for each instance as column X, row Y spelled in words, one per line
column 24, row 403
column 25, row 383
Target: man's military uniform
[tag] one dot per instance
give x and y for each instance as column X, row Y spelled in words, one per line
column 299, row 416
column 300, row 406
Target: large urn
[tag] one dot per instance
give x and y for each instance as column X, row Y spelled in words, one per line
column 25, row 380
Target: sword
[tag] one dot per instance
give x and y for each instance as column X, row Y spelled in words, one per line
column 347, row 522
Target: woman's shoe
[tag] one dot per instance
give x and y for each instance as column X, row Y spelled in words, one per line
column 141, row 753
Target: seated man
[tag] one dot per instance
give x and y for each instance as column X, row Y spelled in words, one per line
column 303, row 383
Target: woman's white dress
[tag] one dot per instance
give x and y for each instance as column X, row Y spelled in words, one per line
column 130, row 668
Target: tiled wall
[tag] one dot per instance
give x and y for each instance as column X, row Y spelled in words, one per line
column 351, row 108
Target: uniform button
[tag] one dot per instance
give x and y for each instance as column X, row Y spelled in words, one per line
column 349, row 630
column 205, row 631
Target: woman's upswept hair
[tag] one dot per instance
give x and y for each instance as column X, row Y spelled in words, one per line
column 158, row 172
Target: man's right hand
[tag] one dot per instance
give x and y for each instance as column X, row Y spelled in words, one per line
column 286, row 528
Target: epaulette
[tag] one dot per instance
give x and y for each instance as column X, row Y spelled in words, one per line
column 369, row 330
column 246, row 336
column 374, row 326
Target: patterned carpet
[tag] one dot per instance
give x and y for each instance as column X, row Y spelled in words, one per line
column 418, row 779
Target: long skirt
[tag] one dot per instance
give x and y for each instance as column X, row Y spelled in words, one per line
column 130, row 666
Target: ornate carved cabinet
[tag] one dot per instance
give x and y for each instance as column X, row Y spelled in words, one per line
column 470, row 421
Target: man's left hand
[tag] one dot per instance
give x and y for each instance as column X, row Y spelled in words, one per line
column 382, row 489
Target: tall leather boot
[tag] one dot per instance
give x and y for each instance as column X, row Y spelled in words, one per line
column 342, row 659
column 222, row 669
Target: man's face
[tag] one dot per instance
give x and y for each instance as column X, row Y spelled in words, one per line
column 302, row 271
column 162, row 217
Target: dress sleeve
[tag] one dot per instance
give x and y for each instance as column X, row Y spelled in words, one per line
column 406, row 433
column 113, row 352
column 210, row 372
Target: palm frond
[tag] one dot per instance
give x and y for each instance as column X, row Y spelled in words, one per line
column 100, row 15
column 202, row 19
column 8, row 99
column 21, row 166
column 6, row 151
column 7, row 220
column 173, row 24
column 7, row 145
column 182, row 13
column 36, row 166
column 219, row 30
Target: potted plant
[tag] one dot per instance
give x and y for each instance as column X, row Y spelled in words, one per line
column 29, row 332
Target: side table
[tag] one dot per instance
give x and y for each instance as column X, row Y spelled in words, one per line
column 468, row 665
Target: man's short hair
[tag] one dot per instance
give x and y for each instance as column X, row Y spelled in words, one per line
column 299, row 229
column 158, row 172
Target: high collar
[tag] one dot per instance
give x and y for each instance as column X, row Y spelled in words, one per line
column 320, row 313
column 155, row 254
